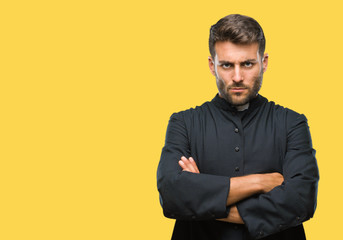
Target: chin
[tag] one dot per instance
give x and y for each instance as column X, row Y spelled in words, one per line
column 238, row 101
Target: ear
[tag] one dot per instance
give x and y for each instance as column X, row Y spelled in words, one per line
column 265, row 62
column 211, row 65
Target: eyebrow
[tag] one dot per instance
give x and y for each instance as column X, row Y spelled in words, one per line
column 248, row 60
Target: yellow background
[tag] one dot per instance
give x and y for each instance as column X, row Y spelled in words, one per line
column 87, row 89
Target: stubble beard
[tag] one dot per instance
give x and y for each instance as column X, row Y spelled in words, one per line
column 236, row 99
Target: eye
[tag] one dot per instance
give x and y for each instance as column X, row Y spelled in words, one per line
column 248, row 64
column 226, row 65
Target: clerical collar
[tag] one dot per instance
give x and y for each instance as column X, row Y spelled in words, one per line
column 223, row 104
column 242, row 107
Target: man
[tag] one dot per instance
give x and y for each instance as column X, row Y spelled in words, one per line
column 238, row 167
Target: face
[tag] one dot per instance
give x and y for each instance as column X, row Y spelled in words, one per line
column 238, row 70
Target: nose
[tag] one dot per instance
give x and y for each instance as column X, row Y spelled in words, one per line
column 237, row 74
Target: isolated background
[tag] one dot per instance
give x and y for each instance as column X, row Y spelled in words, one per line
column 87, row 89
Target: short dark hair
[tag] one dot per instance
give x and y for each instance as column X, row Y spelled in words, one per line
column 238, row 29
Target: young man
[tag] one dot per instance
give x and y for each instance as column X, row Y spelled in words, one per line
column 238, row 167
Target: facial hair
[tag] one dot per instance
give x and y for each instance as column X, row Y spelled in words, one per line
column 224, row 91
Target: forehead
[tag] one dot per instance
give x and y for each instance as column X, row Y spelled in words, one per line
column 229, row 51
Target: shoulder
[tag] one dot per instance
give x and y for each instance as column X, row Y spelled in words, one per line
column 192, row 113
column 286, row 115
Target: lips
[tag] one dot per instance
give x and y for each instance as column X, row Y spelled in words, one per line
column 237, row 89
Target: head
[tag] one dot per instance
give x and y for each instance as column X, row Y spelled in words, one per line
column 237, row 58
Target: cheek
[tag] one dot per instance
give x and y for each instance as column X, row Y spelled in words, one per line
column 224, row 77
column 221, row 84
column 252, row 77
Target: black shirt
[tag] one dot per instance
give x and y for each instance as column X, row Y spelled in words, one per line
column 225, row 143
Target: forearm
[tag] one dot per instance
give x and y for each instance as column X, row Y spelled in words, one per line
column 246, row 186
column 240, row 187
column 243, row 187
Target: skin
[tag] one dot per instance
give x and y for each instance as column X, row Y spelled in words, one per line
column 239, row 71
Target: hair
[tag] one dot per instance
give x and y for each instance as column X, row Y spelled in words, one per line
column 238, row 29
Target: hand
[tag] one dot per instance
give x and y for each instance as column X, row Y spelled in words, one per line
column 233, row 216
column 188, row 165
column 268, row 181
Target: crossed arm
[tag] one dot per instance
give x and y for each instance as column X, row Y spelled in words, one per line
column 187, row 195
column 240, row 187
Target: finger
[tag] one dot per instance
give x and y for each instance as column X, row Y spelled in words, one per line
column 194, row 165
column 185, row 167
column 189, row 165
column 182, row 165
column 223, row 219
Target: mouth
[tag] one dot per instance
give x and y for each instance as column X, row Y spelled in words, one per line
column 237, row 89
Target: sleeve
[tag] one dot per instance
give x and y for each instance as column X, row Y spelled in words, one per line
column 294, row 201
column 185, row 195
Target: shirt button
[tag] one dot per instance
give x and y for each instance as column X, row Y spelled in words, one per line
column 236, row 149
column 260, row 233
column 298, row 218
column 235, row 227
column 236, row 130
column 237, row 169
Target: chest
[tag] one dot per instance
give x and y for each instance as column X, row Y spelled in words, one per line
column 232, row 147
